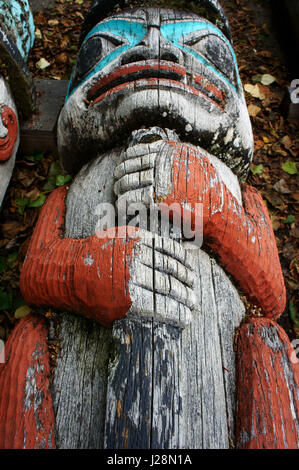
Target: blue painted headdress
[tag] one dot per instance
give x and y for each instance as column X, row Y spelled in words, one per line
column 16, row 40
column 100, row 9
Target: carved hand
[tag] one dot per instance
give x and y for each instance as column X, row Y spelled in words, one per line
column 137, row 178
column 102, row 276
column 241, row 236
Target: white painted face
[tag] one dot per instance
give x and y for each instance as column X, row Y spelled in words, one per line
column 155, row 67
column 9, row 136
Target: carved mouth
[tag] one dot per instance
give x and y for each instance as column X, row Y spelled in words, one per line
column 10, row 121
column 155, row 74
column 4, row 143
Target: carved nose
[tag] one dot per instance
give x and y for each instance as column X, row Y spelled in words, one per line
column 153, row 46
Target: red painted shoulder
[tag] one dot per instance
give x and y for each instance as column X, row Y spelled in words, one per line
column 88, row 276
column 26, row 411
column 240, row 236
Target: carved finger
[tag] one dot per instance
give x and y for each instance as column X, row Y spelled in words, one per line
column 158, row 307
column 141, row 196
column 170, row 286
column 143, row 276
column 139, row 150
column 134, row 165
column 172, row 312
column 168, row 265
column 174, row 250
column 133, row 181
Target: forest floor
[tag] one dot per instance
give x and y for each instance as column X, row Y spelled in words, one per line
column 274, row 170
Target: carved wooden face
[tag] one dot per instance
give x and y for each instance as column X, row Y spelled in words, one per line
column 8, row 132
column 152, row 66
column 9, row 136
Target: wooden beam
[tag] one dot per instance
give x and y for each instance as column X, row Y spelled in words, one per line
column 39, row 131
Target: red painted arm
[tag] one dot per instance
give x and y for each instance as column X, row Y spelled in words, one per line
column 88, row 276
column 242, row 237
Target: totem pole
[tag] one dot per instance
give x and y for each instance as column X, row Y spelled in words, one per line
column 16, row 86
column 154, row 119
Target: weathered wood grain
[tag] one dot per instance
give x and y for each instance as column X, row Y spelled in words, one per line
column 167, row 386
column 80, row 387
column 267, row 387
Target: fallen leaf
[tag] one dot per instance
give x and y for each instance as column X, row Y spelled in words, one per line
column 257, row 170
column 42, row 64
column 62, row 58
column 11, row 229
column 254, row 90
column 289, row 251
column 38, row 34
column 37, row 202
column 281, row 187
column 256, row 78
column 53, row 22
column 275, row 220
column 295, row 231
column 267, row 79
column 286, row 142
column 289, row 167
column 253, row 110
column 22, row 312
column 289, row 220
column 258, row 144
column 275, row 200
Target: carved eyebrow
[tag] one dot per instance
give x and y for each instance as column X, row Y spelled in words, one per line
column 180, row 29
column 193, row 26
column 118, row 26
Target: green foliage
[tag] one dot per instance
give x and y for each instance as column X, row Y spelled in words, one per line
column 289, row 220
column 6, row 300
column 38, row 202
column 22, row 203
column 36, row 157
column 257, row 170
column 289, row 167
column 25, row 202
column 11, row 259
column 56, row 177
column 3, row 264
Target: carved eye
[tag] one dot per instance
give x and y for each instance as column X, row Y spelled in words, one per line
column 93, row 51
column 217, row 53
column 90, row 53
